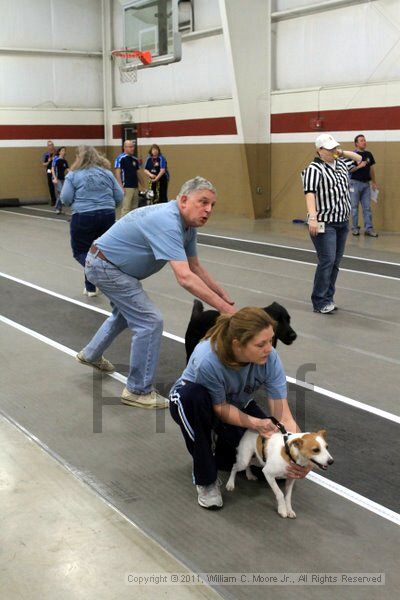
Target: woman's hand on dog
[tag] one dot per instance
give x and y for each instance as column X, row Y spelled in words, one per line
column 266, row 428
column 296, row 472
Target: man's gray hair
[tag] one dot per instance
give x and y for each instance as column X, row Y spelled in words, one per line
column 193, row 185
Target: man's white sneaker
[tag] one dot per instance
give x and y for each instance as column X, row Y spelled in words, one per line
column 102, row 363
column 150, row 400
column 209, row 496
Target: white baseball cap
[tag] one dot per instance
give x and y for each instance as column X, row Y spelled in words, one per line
column 325, row 140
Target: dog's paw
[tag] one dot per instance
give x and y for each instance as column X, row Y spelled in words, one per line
column 230, row 486
column 282, row 511
column 291, row 514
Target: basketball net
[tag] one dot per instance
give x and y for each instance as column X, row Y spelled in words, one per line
column 128, row 71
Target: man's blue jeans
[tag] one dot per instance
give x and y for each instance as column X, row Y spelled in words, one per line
column 330, row 248
column 360, row 193
column 131, row 307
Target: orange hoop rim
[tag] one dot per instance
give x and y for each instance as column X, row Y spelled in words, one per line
column 144, row 57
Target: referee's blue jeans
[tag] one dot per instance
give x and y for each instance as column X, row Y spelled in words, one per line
column 131, row 307
column 191, row 408
column 330, row 249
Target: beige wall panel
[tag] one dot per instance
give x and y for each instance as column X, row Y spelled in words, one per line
column 223, row 164
column 226, row 166
column 259, row 168
column 287, row 198
column 287, row 162
column 22, row 174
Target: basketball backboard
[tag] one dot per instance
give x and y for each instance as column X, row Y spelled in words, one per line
column 152, row 25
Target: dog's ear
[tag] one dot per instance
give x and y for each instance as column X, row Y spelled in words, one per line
column 298, row 443
column 197, row 310
column 322, row 433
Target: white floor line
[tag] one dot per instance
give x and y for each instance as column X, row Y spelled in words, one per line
column 355, row 403
column 299, row 262
column 333, row 395
column 366, row 503
column 264, row 273
column 362, row 501
column 97, row 309
column 224, row 237
column 49, row 210
column 53, row 343
column 10, row 212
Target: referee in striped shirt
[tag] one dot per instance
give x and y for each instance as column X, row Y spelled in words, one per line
column 326, row 185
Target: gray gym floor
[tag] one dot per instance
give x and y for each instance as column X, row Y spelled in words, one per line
column 347, row 518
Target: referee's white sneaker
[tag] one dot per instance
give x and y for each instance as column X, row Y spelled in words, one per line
column 325, row 310
column 209, row 496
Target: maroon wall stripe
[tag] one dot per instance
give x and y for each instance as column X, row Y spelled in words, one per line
column 37, row 132
column 195, row 127
column 353, row 119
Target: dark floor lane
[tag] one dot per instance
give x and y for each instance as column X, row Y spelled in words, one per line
column 360, row 265
column 365, row 446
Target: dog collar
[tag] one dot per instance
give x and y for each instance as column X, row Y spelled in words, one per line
column 286, row 436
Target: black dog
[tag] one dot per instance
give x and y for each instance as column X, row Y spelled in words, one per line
column 202, row 320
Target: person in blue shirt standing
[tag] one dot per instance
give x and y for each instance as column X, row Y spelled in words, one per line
column 216, row 392
column 93, row 193
column 136, row 247
column 59, row 170
column 156, row 169
column 127, row 167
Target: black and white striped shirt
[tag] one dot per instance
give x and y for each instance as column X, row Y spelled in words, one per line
column 330, row 184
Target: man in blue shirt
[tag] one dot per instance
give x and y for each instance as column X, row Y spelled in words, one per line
column 126, row 172
column 137, row 246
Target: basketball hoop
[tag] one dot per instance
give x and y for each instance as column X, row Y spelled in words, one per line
column 128, row 70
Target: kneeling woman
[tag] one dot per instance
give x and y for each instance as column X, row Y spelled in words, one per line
column 218, row 385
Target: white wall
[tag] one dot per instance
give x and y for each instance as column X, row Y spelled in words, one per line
column 32, row 80
column 201, row 75
column 353, row 45
column 280, row 5
column 206, row 14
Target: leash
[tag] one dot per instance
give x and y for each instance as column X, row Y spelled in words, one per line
column 285, row 434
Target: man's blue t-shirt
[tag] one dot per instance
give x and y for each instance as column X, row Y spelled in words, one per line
column 129, row 166
column 143, row 241
column 235, row 386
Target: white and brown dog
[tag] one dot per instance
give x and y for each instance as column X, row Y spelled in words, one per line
column 274, row 454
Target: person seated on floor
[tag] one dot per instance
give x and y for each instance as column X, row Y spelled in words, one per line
column 216, row 392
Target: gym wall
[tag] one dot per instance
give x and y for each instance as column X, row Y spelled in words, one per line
column 335, row 71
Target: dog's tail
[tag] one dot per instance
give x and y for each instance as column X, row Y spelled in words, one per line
column 197, row 310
